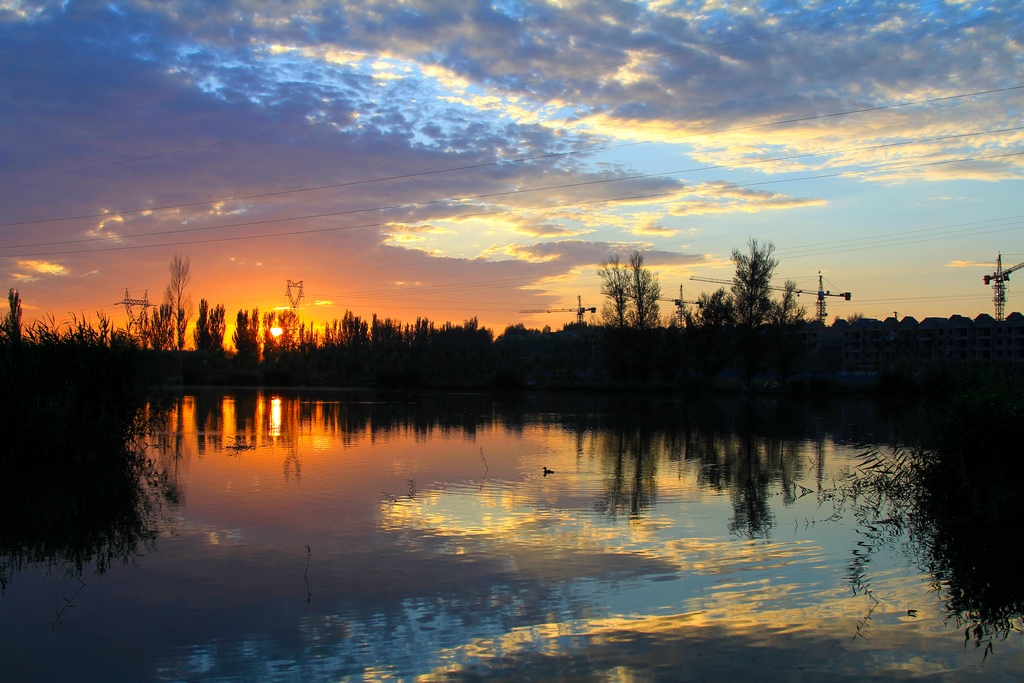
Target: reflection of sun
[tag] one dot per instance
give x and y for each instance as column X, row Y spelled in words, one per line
column 275, row 417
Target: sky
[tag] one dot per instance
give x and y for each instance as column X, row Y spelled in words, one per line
column 457, row 159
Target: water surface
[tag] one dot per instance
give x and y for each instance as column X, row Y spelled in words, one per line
column 348, row 536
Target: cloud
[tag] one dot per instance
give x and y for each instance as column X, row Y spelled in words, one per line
column 521, row 142
column 970, row 264
column 579, row 253
column 44, row 267
column 724, row 197
column 654, row 227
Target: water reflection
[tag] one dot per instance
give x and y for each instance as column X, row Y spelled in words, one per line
column 970, row 557
column 67, row 516
column 350, row 536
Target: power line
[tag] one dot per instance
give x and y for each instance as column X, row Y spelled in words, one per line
column 478, row 214
column 453, row 200
column 311, row 231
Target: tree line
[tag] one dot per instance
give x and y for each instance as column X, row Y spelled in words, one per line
column 742, row 329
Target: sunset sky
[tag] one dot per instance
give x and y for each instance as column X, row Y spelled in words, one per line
column 460, row 158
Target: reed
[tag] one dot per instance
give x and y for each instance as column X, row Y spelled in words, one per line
column 76, row 485
column 69, row 394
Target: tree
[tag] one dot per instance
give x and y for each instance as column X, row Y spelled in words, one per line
column 631, row 310
column 751, row 288
column 208, row 334
column 752, row 301
column 644, row 292
column 246, row 337
column 632, row 293
column 179, row 300
column 158, row 331
column 707, row 332
column 788, row 311
column 287, row 339
column 615, row 287
column 714, row 311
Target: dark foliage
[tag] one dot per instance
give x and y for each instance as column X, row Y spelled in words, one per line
column 75, row 483
column 956, row 492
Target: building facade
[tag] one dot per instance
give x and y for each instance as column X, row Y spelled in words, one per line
column 869, row 344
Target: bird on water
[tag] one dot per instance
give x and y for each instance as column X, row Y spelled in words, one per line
column 547, row 471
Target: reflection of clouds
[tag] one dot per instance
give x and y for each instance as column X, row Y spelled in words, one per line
column 762, row 594
column 550, row 541
column 473, row 576
column 507, row 515
column 687, row 646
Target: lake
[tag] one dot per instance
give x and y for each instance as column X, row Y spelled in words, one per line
column 346, row 536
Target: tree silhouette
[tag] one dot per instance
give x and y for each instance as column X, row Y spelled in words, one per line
column 615, row 288
column 208, row 334
column 179, row 300
column 246, row 337
column 644, row 292
column 158, row 330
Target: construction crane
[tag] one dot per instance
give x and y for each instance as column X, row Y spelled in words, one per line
column 580, row 310
column 819, row 308
column 680, row 305
column 998, row 281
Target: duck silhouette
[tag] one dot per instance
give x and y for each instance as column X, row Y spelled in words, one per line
column 547, row 471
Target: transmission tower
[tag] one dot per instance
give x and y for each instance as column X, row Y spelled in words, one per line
column 129, row 303
column 295, row 293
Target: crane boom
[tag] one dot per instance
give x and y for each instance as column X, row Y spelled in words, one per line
column 998, row 281
column 820, row 294
column 580, row 310
column 680, row 305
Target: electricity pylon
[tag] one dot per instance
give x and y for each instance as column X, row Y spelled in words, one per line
column 295, row 293
column 129, row 303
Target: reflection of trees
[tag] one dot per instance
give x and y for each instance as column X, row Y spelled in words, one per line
column 973, row 556
column 749, row 450
column 747, row 454
column 215, row 421
column 752, row 517
column 631, row 481
column 71, row 517
column 976, row 570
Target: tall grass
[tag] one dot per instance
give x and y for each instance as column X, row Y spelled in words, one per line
column 69, row 394
column 75, row 481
